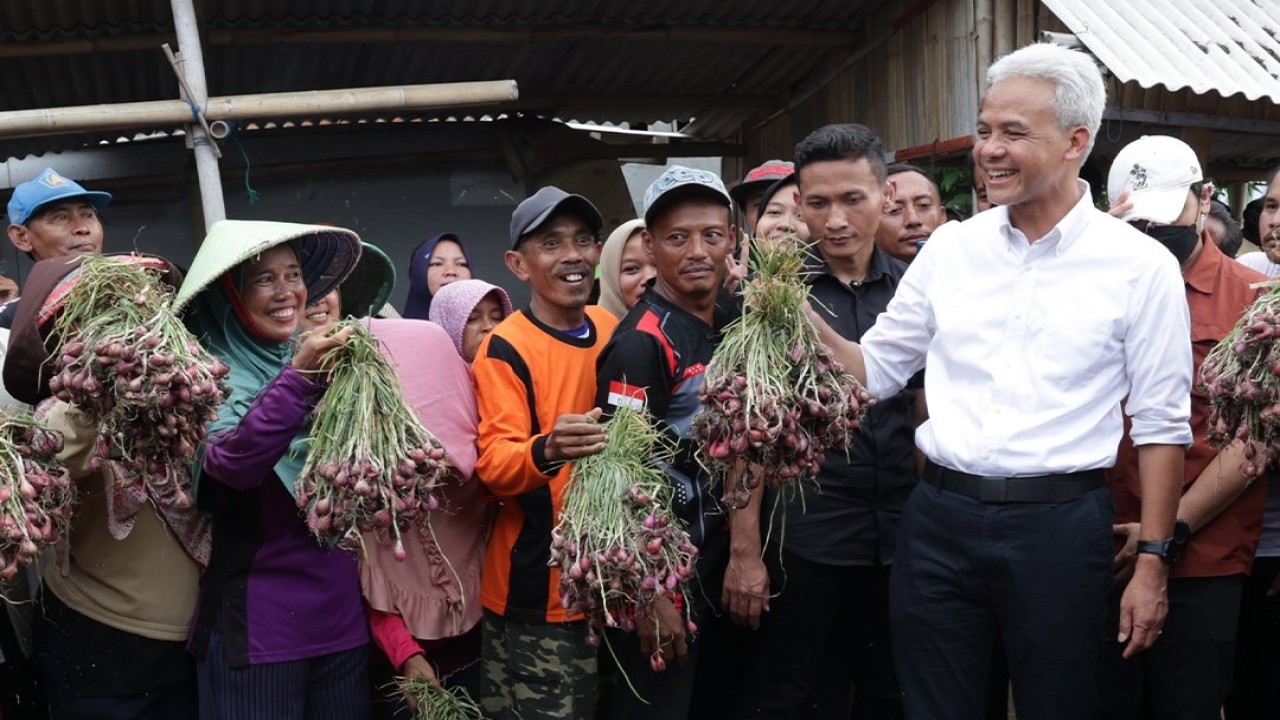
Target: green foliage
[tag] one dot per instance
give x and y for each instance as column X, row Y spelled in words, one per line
column 956, row 186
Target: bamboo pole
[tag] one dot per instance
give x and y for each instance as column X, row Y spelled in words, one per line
column 191, row 78
column 984, row 43
column 165, row 113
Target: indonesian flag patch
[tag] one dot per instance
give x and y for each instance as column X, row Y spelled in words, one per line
column 624, row 395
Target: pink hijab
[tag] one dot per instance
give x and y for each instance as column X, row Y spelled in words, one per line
column 454, row 302
column 437, row 588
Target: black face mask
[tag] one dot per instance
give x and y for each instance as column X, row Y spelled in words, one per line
column 1179, row 239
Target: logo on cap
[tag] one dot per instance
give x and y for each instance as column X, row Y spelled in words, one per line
column 51, row 179
column 678, row 175
column 770, row 171
column 1138, row 175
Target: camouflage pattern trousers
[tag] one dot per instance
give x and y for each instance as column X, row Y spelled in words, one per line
column 537, row 670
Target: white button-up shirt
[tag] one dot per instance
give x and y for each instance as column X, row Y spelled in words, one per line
column 1032, row 346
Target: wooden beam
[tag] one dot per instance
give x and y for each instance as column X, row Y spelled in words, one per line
column 420, row 159
column 684, row 149
column 798, row 37
column 1223, row 174
column 769, row 37
column 86, row 46
column 596, row 103
column 938, row 148
column 1197, row 120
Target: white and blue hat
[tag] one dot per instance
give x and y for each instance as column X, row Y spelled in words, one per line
column 48, row 187
column 679, row 181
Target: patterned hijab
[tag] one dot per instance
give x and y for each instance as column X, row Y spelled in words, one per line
column 455, row 301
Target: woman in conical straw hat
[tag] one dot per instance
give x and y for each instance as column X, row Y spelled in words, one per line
column 280, row 631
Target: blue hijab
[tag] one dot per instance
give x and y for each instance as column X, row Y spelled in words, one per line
column 417, row 305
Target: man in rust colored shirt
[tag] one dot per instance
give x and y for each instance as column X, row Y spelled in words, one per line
column 1156, row 184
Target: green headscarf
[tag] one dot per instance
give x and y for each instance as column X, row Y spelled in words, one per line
column 211, row 293
column 254, row 363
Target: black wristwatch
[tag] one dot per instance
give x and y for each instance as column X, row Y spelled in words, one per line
column 1168, row 550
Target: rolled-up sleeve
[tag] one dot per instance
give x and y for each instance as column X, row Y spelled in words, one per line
column 1158, row 359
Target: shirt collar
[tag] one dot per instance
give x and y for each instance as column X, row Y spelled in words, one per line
column 656, row 299
column 1064, row 234
column 877, row 265
column 1203, row 275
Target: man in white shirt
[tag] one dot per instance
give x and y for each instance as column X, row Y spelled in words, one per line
column 1036, row 320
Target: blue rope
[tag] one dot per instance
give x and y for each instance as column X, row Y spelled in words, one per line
column 195, row 111
column 248, row 189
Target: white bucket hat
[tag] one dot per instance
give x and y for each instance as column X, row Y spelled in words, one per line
column 328, row 254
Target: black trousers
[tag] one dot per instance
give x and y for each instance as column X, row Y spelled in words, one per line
column 665, row 695
column 824, row 641
column 95, row 671
column 1186, row 674
column 1040, row 572
column 328, row 687
column 1255, row 688
column 21, row 689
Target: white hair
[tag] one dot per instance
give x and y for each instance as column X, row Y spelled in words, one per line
column 1080, row 93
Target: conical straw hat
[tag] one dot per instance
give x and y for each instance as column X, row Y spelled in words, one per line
column 328, row 254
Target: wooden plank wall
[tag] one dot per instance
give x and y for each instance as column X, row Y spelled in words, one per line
column 923, row 84
column 919, row 86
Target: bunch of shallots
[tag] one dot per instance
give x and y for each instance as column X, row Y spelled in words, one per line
column 1241, row 376
column 134, row 370
column 618, row 544
column 431, row 701
column 773, row 396
column 371, row 465
column 36, row 495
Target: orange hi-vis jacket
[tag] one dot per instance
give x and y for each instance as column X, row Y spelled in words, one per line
column 528, row 374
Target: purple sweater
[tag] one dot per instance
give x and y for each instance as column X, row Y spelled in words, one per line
column 272, row 590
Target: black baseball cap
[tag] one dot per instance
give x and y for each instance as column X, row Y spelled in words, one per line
column 545, row 204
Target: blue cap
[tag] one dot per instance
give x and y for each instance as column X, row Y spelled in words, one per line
column 46, row 188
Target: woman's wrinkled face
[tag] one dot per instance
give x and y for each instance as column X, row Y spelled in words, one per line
column 447, row 265
column 484, row 317
column 274, row 293
column 635, row 272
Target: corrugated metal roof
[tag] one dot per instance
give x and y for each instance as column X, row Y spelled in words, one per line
column 697, row 78
column 25, row 20
column 1222, row 46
